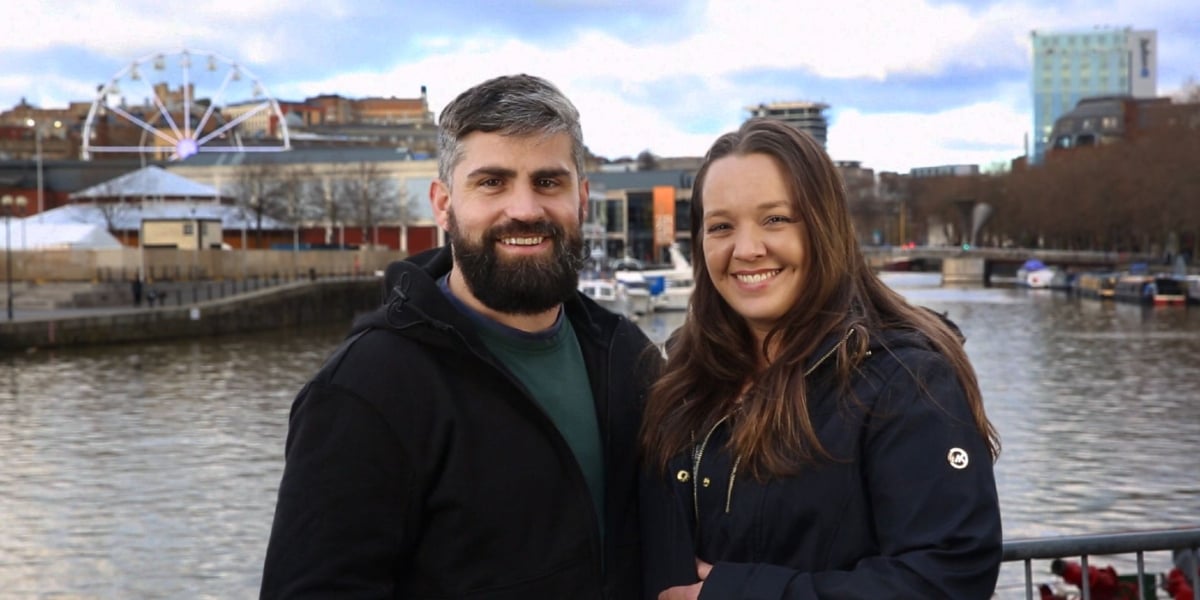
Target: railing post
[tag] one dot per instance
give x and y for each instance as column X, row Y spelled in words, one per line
column 1085, row 584
column 1029, row 579
column 1141, row 564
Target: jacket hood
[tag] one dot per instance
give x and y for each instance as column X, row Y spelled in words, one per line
column 882, row 340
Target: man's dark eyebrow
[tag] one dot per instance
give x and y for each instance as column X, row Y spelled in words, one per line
column 492, row 172
column 550, row 173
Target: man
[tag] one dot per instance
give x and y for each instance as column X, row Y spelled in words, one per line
column 475, row 437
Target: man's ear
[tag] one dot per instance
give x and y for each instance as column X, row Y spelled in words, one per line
column 584, row 192
column 439, row 200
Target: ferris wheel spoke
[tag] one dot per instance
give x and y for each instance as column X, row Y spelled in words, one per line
column 186, row 62
column 238, row 149
column 127, row 148
column 234, row 123
column 216, row 99
column 144, row 125
column 162, row 110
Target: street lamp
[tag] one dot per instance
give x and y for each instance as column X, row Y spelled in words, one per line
column 37, row 143
column 10, row 204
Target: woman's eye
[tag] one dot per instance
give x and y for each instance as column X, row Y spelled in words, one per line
column 717, row 227
column 778, row 219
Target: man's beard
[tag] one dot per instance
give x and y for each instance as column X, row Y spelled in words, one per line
column 523, row 285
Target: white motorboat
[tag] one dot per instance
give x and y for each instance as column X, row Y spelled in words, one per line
column 616, row 296
column 1035, row 274
column 669, row 287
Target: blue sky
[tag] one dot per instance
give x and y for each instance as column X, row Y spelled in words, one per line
column 910, row 82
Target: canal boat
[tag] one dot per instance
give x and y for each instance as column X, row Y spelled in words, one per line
column 1101, row 286
column 1157, row 290
column 1193, row 288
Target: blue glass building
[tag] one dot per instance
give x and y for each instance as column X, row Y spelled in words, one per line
column 1070, row 66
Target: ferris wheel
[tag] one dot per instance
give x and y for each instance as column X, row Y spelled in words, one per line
column 161, row 107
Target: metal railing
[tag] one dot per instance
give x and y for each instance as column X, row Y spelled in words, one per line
column 1083, row 546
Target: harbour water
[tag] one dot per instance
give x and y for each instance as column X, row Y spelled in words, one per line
column 150, row 471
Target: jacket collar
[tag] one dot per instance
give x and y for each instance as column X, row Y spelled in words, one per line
column 412, row 300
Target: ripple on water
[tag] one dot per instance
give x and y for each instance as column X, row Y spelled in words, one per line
column 151, row 471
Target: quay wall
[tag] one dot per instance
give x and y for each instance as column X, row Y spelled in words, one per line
column 969, row 271
column 172, row 264
column 326, row 301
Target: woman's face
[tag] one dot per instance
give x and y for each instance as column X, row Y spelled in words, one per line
column 752, row 239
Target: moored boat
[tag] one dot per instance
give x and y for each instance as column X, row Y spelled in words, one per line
column 616, row 296
column 1036, row 274
column 669, row 287
column 1158, row 290
column 1193, row 288
column 1096, row 285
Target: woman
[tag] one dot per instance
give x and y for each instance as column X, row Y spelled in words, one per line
column 814, row 435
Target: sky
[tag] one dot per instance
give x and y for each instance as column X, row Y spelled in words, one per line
column 910, row 83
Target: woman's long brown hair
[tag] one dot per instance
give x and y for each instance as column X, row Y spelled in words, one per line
column 713, row 355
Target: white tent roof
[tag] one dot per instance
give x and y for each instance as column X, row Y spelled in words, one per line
column 29, row 234
column 148, row 182
column 128, row 216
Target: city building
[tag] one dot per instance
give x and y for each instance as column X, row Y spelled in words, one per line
column 944, row 171
column 1111, row 119
column 1071, row 66
column 637, row 214
column 808, row 117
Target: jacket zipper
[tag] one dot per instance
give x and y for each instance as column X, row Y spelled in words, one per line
column 698, row 452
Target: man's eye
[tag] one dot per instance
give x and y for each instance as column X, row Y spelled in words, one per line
column 547, row 182
column 490, row 182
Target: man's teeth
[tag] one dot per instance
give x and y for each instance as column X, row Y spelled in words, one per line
column 523, row 241
column 756, row 277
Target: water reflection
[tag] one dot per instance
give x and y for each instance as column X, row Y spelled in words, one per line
column 151, row 471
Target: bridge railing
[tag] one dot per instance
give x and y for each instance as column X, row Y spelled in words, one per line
column 1083, row 546
column 1013, row 254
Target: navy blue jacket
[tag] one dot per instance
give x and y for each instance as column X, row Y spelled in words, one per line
column 418, row 466
column 909, row 509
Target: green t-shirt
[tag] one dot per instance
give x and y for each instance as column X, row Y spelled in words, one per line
column 550, row 364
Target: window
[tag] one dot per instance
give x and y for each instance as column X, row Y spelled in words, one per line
column 187, row 229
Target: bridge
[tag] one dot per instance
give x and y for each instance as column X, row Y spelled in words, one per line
column 976, row 265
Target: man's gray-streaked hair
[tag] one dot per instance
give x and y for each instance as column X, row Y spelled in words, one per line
column 516, row 105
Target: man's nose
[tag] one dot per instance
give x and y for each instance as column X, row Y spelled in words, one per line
column 525, row 204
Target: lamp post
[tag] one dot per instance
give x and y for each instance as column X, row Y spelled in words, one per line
column 9, row 204
column 37, row 144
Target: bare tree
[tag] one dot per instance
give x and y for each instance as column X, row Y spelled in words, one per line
column 1189, row 92
column 261, row 191
column 112, row 208
column 367, row 196
column 647, row 161
column 303, row 197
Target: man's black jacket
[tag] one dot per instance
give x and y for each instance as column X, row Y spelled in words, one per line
column 418, row 466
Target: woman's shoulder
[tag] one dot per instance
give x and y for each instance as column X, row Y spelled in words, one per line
column 905, row 355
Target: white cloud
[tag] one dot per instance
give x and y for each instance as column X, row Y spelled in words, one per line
column 977, row 134
column 703, row 73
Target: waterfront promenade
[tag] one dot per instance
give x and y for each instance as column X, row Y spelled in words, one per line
column 189, row 313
